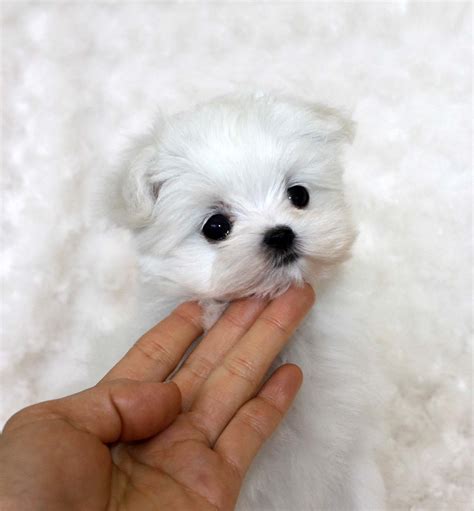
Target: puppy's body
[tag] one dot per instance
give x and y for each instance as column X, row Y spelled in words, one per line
column 243, row 196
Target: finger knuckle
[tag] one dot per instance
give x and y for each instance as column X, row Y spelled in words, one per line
column 275, row 324
column 154, row 349
column 190, row 314
column 199, row 367
column 270, row 407
column 261, row 416
column 257, row 420
column 234, row 320
column 243, row 369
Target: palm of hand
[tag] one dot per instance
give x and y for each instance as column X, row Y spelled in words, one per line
column 160, row 473
column 173, row 474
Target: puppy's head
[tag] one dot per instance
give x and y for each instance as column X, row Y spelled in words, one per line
column 241, row 196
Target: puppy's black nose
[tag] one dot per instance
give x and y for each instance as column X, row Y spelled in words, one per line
column 279, row 238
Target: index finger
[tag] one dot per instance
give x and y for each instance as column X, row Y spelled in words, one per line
column 156, row 354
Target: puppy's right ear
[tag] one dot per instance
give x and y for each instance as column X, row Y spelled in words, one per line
column 133, row 189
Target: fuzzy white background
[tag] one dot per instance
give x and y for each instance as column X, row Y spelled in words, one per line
column 78, row 77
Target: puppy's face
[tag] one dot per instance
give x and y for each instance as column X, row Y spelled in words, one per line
column 240, row 196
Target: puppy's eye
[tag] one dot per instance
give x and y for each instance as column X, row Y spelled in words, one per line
column 299, row 196
column 217, row 227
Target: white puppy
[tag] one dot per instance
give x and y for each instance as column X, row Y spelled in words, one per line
column 243, row 196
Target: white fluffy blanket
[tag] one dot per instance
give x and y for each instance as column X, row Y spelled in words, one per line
column 78, row 76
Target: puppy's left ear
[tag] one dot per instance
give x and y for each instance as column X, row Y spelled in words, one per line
column 332, row 125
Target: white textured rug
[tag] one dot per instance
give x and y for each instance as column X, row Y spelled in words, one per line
column 78, row 76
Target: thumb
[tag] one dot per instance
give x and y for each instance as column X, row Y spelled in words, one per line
column 117, row 410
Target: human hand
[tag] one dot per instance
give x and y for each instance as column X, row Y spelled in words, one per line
column 134, row 443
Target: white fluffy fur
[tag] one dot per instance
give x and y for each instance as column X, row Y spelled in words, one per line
column 238, row 156
column 76, row 77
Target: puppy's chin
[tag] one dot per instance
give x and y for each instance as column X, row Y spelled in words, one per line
column 267, row 282
column 268, row 286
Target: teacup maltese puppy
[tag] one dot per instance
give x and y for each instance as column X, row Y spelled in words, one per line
column 243, row 196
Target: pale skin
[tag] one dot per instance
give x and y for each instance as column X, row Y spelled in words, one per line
column 135, row 443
